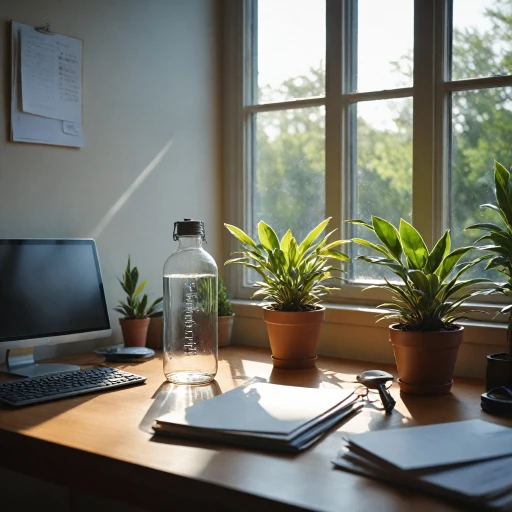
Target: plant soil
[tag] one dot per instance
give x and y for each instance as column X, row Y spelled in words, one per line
column 446, row 328
column 273, row 307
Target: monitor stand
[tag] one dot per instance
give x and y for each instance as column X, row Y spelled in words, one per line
column 20, row 362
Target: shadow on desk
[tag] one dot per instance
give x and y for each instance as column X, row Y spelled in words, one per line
column 45, row 411
column 172, row 397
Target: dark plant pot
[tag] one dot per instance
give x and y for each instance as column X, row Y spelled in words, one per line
column 293, row 337
column 425, row 360
column 225, row 330
column 499, row 371
column 134, row 331
column 155, row 336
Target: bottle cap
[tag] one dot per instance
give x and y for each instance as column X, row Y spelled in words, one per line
column 189, row 227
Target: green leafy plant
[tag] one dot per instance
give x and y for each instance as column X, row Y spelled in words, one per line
column 428, row 298
column 293, row 274
column 136, row 305
column 500, row 238
column 225, row 308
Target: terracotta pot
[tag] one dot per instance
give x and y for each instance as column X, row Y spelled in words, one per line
column 293, row 336
column 425, row 360
column 499, row 371
column 155, row 337
column 134, row 331
column 225, row 330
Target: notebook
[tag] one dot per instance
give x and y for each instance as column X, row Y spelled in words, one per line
column 262, row 415
column 466, row 462
column 435, row 445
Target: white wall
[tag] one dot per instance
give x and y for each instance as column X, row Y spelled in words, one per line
column 150, row 78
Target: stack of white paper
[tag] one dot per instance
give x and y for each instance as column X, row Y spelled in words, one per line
column 468, row 462
column 261, row 415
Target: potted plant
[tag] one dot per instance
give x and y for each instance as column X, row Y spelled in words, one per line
column 226, row 315
column 425, row 337
column 155, row 336
column 294, row 278
column 135, row 309
column 499, row 366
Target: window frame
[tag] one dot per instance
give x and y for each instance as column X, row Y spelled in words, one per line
column 431, row 93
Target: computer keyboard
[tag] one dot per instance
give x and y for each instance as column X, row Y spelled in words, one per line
column 59, row 385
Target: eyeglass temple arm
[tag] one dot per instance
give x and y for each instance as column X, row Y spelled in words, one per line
column 387, row 400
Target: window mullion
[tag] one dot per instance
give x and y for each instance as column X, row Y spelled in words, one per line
column 443, row 42
column 333, row 119
column 423, row 182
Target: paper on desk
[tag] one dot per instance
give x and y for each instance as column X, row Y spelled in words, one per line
column 435, row 445
column 488, row 483
column 260, row 408
column 51, row 75
column 31, row 128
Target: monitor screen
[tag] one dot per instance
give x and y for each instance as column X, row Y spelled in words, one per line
column 50, row 288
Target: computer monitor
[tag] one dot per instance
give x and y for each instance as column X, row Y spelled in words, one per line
column 51, row 292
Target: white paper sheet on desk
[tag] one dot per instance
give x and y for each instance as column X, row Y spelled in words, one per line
column 28, row 127
column 435, row 445
column 51, row 75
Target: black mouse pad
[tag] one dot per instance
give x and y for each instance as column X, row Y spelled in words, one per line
column 121, row 353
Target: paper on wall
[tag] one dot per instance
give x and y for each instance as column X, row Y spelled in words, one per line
column 32, row 128
column 51, row 75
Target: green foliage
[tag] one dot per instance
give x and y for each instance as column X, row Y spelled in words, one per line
column 135, row 306
column 428, row 299
column 293, row 274
column 500, row 236
column 225, row 308
column 289, row 179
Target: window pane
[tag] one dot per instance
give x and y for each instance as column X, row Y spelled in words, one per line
column 291, row 49
column 481, row 122
column 482, row 40
column 383, row 177
column 385, row 44
column 289, row 179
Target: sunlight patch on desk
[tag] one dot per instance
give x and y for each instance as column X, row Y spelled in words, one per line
column 98, row 230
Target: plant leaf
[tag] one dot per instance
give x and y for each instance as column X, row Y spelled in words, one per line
column 268, row 237
column 312, row 236
column 440, row 250
column 502, row 188
column 362, row 223
column 450, row 261
column 140, row 288
column 241, row 236
column 388, row 235
column 413, row 245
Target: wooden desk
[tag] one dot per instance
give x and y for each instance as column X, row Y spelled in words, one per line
column 102, row 443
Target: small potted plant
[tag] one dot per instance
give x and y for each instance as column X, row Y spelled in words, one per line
column 499, row 366
column 293, row 280
column 226, row 315
column 424, row 304
column 135, row 309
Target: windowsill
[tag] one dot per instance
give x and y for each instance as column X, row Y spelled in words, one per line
column 355, row 315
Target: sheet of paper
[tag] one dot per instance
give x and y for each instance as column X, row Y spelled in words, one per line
column 32, row 128
column 436, row 445
column 51, row 75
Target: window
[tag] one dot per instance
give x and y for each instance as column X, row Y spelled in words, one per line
column 348, row 108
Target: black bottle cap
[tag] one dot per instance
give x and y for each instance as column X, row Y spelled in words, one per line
column 189, row 227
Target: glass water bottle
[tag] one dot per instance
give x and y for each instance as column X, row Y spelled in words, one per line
column 190, row 308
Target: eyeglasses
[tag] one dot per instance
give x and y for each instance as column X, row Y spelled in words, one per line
column 371, row 395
